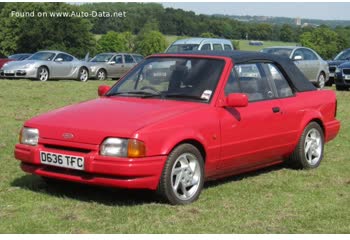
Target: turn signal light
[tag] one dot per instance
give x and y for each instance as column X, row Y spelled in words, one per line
column 136, row 149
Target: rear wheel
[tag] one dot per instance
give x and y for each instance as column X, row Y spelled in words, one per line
column 309, row 151
column 42, row 74
column 183, row 175
column 83, row 75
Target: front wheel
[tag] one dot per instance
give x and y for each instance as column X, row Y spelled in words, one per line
column 183, row 175
column 83, row 75
column 101, row 75
column 42, row 74
column 340, row 88
column 309, row 151
column 321, row 80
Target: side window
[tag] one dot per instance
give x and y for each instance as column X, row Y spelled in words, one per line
column 309, row 55
column 253, row 83
column 206, row 47
column 299, row 52
column 67, row 58
column 282, row 87
column 217, row 47
column 128, row 59
column 118, row 59
column 232, row 85
column 138, row 58
column 227, row 47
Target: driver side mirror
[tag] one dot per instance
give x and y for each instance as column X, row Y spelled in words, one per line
column 298, row 58
column 102, row 90
column 236, row 100
column 59, row 60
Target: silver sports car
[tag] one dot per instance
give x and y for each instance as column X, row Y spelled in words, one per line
column 307, row 60
column 112, row 65
column 46, row 65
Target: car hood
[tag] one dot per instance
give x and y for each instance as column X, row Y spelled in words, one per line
column 344, row 65
column 18, row 64
column 337, row 62
column 92, row 121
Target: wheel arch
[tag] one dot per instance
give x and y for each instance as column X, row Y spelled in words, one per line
column 193, row 142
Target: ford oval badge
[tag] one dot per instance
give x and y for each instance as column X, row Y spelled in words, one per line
column 67, row 135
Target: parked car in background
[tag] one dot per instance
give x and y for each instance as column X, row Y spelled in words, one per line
column 342, row 57
column 20, row 56
column 209, row 116
column 307, row 60
column 3, row 60
column 342, row 76
column 112, row 65
column 200, row 44
column 45, row 65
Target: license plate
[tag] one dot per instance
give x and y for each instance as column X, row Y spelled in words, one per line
column 9, row 71
column 331, row 74
column 347, row 77
column 62, row 160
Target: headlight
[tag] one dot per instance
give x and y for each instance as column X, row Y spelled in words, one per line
column 118, row 147
column 29, row 136
column 337, row 70
column 28, row 65
column 4, row 65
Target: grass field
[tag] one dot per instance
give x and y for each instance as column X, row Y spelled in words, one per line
column 273, row 200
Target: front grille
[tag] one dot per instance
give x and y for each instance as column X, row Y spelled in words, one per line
column 332, row 69
column 346, row 71
column 71, row 149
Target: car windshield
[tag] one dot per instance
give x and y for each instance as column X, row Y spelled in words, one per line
column 285, row 52
column 19, row 56
column 186, row 79
column 182, row 48
column 344, row 55
column 44, row 56
column 105, row 57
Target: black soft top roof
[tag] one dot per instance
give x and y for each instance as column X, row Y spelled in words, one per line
column 294, row 75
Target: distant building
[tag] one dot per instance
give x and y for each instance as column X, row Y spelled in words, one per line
column 309, row 25
column 298, row 21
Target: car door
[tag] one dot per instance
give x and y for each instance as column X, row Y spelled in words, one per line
column 129, row 63
column 299, row 60
column 114, row 66
column 62, row 66
column 313, row 64
column 250, row 135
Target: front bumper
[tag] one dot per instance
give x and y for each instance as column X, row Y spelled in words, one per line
column 342, row 80
column 138, row 173
column 20, row 73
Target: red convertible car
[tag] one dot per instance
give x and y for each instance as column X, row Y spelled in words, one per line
column 177, row 120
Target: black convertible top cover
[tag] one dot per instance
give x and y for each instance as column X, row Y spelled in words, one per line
column 295, row 77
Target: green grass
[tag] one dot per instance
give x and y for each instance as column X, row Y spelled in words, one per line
column 273, row 200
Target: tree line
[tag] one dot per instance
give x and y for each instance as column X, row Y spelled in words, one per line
column 143, row 29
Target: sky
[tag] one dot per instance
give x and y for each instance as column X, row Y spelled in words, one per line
column 310, row 10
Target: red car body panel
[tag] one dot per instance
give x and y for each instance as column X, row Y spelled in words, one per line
column 4, row 60
column 233, row 140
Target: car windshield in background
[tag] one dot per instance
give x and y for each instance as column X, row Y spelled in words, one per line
column 19, row 57
column 43, row 56
column 138, row 58
column 285, row 52
column 102, row 58
column 344, row 55
column 182, row 48
column 193, row 79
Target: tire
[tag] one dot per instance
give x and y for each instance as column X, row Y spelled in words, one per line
column 101, row 75
column 308, row 153
column 182, row 178
column 83, row 75
column 321, row 81
column 43, row 74
column 329, row 83
column 341, row 88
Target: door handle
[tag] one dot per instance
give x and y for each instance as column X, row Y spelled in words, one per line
column 276, row 109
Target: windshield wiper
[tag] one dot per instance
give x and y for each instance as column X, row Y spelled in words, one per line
column 138, row 93
column 179, row 95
